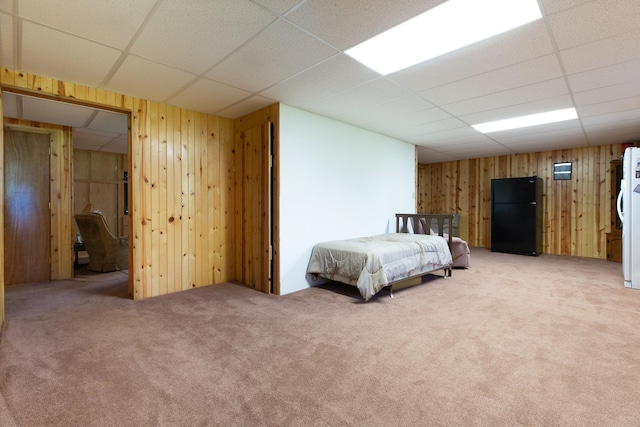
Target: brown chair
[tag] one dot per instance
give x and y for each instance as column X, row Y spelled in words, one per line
column 106, row 252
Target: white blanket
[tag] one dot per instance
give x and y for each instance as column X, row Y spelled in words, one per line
column 371, row 263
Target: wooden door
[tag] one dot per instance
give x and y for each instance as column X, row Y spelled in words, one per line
column 27, row 221
column 257, row 234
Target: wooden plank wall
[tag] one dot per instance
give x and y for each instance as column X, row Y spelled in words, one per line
column 97, row 180
column 251, row 214
column 181, row 187
column 577, row 213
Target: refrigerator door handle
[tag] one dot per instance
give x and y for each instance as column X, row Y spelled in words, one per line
column 619, row 203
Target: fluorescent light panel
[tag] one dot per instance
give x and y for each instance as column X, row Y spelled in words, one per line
column 447, row 27
column 525, row 121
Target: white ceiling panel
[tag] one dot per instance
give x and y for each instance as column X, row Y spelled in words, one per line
column 240, row 109
column 550, row 131
column 109, row 121
column 166, row 81
column 344, row 24
column 426, row 155
column 602, row 53
column 553, row 6
column 208, row 96
column 525, row 94
column 611, row 119
column 52, row 53
column 606, row 76
column 276, row 54
column 521, row 74
column 609, row 93
column 517, row 110
column 118, row 145
column 95, row 23
column 6, row 6
column 519, row 45
column 10, row 105
column 616, row 106
column 230, row 58
column 336, row 74
column 7, row 51
column 591, row 21
column 278, row 6
column 197, row 34
column 40, row 110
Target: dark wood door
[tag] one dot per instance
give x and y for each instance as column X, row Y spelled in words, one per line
column 27, row 235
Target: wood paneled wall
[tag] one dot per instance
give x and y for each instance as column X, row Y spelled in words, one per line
column 577, row 212
column 255, row 214
column 97, row 181
column 181, row 187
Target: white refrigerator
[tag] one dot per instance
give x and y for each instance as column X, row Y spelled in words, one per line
column 629, row 213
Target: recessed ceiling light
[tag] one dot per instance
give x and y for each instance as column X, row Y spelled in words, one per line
column 524, row 121
column 447, row 27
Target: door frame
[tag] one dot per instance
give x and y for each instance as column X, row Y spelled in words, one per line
column 65, row 250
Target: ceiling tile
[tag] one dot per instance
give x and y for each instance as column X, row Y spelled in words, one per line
column 110, row 121
column 366, row 18
column 197, row 34
column 6, row 6
column 7, row 51
column 94, row 22
column 609, row 93
column 618, row 73
column 612, row 118
column 525, row 94
column 591, row 21
column 551, row 132
column 118, row 145
column 52, row 53
column 10, row 105
column 278, row 6
column 60, row 113
column 246, row 106
column 208, row 96
column 553, row 6
column 476, row 139
column 165, row 82
column 426, row 156
column 522, row 44
column 474, row 152
column 358, row 101
column 337, row 73
column 276, row 54
column 616, row 106
column 602, row 53
column 521, row 74
column 524, row 109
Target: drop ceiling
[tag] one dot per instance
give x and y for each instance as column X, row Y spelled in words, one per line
column 232, row 57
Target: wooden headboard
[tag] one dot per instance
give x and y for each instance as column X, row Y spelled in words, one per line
column 423, row 223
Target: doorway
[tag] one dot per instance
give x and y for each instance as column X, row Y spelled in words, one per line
column 26, row 206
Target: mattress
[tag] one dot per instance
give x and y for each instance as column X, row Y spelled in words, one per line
column 373, row 262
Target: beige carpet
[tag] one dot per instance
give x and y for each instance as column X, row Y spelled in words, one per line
column 513, row 341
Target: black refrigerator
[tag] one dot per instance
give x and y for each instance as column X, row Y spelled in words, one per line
column 516, row 215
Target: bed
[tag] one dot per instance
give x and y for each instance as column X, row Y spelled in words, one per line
column 399, row 259
column 459, row 248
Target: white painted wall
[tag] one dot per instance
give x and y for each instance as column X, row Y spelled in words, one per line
column 337, row 181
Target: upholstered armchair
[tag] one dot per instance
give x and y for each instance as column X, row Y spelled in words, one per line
column 106, row 252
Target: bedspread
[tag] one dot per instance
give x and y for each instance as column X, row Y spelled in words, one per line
column 375, row 261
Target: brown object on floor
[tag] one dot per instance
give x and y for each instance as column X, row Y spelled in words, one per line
column 514, row 341
column 106, row 252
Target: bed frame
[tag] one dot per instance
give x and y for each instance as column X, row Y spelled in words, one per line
column 412, row 223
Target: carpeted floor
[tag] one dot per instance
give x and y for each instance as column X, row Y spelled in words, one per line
column 513, row 341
